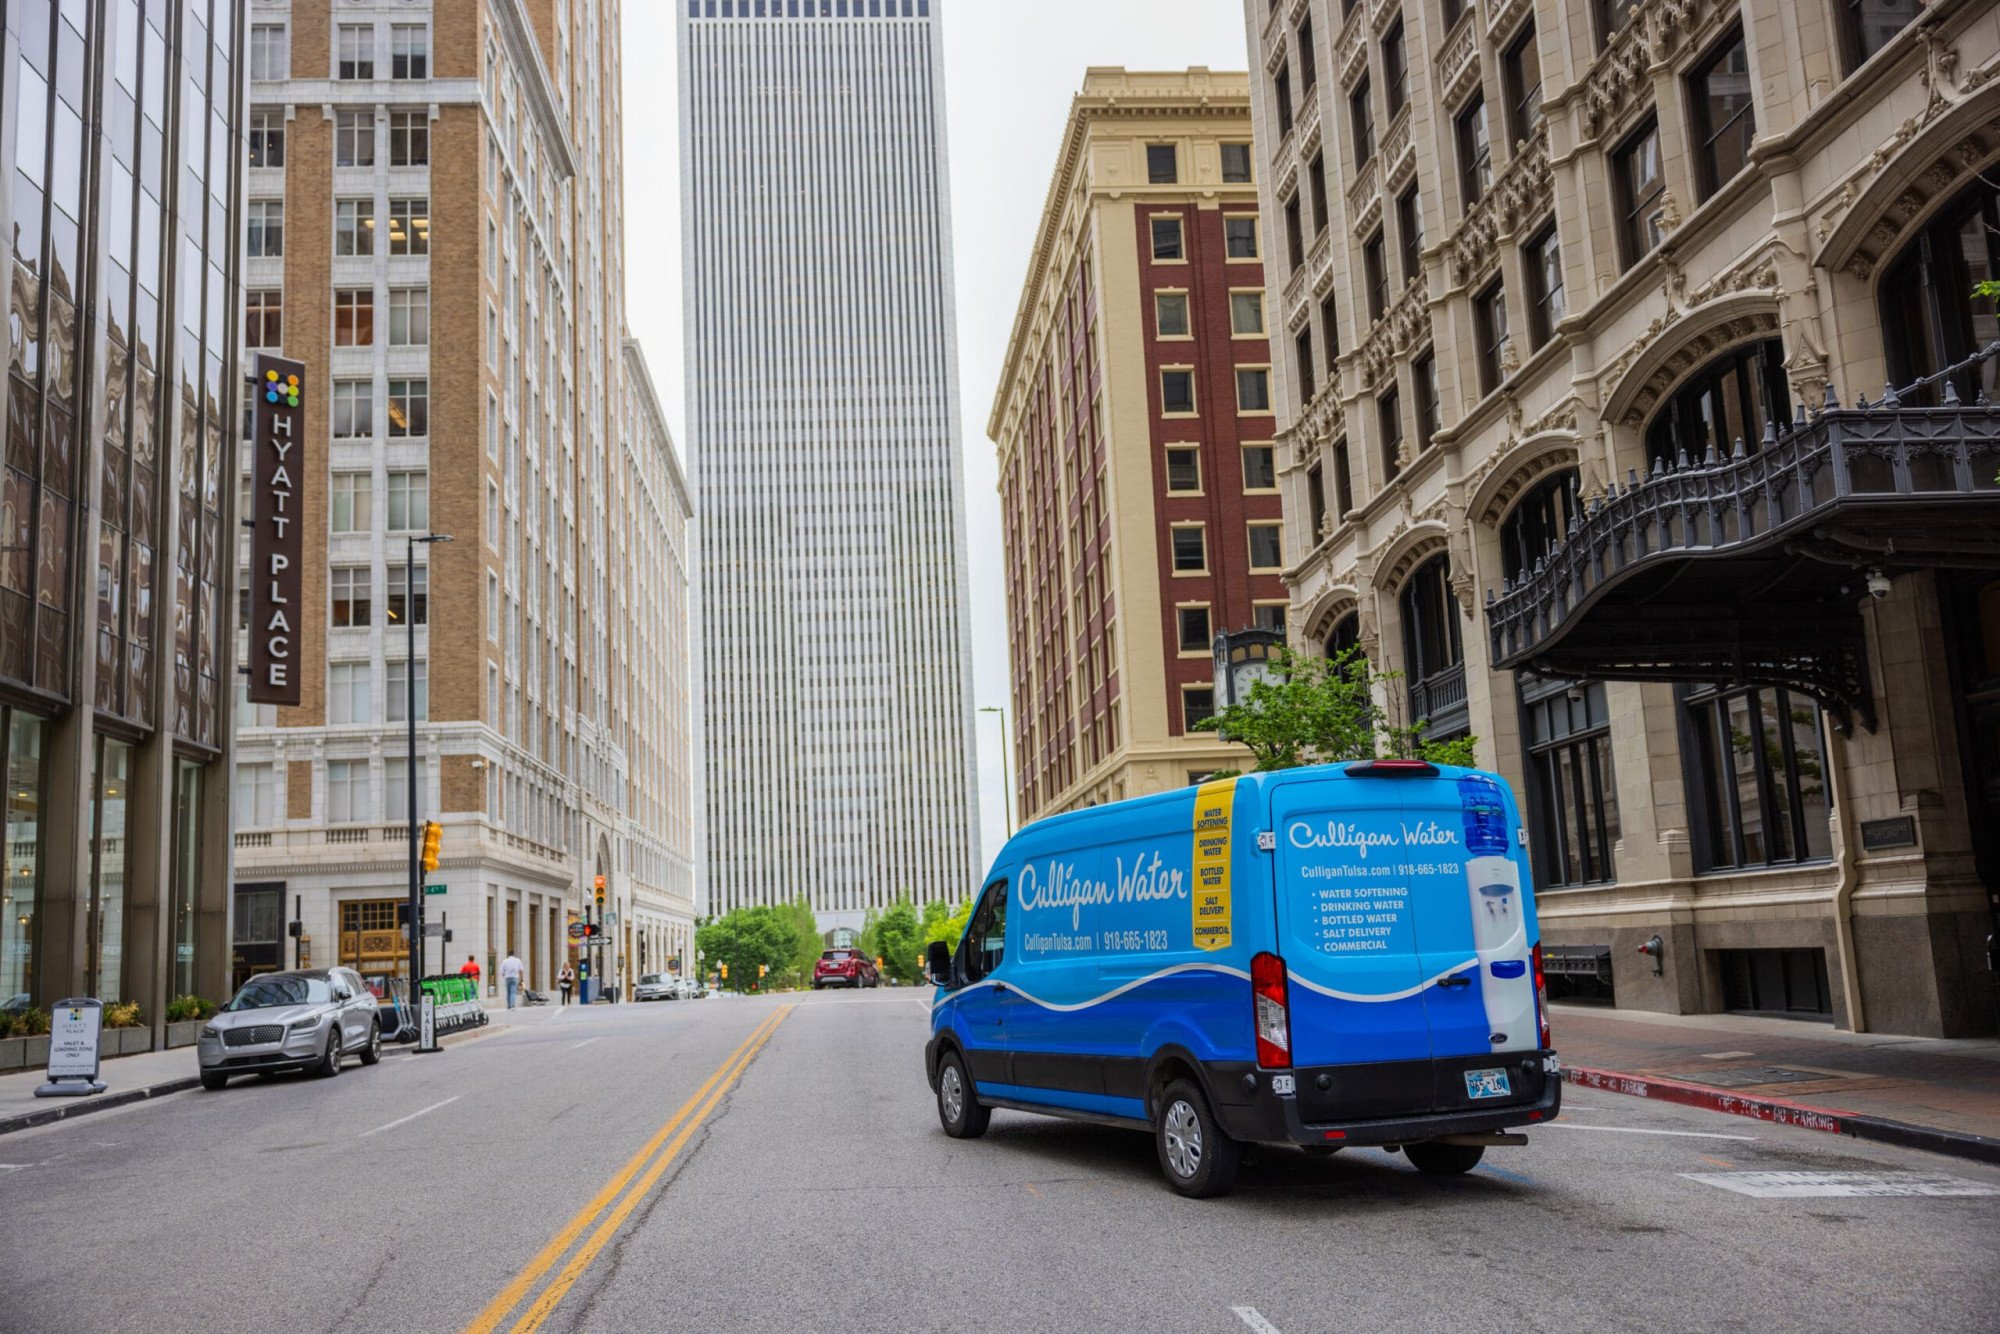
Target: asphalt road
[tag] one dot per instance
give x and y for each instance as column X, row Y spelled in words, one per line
column 777, row 1164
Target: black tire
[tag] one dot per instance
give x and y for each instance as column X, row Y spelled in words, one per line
column 372, row 1053
column 1444, row 1160
column 960, row 1112
column 213, row 1080
column 329, row 1064
column 1199, row 1160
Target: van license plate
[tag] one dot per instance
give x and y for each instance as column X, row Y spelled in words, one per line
column 1486, row 1084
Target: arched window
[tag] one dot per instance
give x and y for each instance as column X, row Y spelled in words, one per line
column 1539, row 520
column 1346, row 634
column 1929, row 313
column 1433, row 658
column 1727, row 400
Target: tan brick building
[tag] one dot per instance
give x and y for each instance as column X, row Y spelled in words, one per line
column 1138, row 486
column 1565, row 276
column 435, row 226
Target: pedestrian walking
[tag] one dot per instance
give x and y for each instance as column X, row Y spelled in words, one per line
column 566, row 980
column 470, row 968
column 510, row 976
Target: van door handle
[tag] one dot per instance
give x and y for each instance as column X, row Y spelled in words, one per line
column 1456, row 980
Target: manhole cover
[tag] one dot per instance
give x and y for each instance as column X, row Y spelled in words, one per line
column 1748, row 1076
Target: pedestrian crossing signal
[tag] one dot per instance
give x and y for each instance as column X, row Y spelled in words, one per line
column 433, row 835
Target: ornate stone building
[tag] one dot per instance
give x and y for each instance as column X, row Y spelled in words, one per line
column 1567, row 293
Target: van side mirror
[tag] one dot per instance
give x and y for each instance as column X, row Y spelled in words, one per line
column 937, row 963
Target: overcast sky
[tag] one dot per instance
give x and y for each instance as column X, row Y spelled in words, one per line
column 1011, row 67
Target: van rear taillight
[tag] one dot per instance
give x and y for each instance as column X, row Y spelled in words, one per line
column 1272, row 1005
column 1541, row 996
column 1392, row 769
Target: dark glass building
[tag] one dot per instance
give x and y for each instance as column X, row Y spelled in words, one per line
column 121, row 156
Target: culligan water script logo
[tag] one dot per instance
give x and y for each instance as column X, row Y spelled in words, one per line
column 1342, row 834
column 1060, row 885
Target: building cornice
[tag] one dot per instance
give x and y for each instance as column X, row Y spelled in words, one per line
column 642, row 380
column 519, row 33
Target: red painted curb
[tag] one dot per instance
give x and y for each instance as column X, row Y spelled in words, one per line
column 1775, row 1110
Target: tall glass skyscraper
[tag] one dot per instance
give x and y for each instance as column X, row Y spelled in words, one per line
column 822, row 390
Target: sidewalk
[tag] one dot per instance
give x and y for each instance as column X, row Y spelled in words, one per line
column 1945, row 1091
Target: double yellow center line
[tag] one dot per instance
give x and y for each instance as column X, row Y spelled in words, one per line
column 674, row 1136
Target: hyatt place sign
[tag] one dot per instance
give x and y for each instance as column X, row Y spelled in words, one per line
column 277, row 499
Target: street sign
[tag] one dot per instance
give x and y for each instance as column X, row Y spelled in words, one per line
column 576, row 931
column 435, row 889
column 433, row 930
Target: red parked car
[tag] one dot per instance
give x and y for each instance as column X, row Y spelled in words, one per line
column 845, row 968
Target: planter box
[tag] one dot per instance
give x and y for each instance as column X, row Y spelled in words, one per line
column 124, row 1042
column 13, row 1053
column 184, row 1033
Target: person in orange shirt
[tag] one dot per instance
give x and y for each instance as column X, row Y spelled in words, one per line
column 470, row 968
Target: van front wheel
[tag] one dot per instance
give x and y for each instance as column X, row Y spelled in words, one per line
column 1198, row 1159
column 959, row 1111
column 1444, row 1160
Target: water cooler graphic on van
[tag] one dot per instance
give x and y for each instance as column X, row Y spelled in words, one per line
column 1499, row 919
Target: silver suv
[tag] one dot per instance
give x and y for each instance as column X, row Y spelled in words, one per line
column 307, row 1020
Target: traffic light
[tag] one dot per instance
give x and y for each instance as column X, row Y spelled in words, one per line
column 725, row 972
column 600, row 891
column 763, row 968
column 433, row 835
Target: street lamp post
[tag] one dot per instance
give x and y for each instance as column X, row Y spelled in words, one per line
column 1006, row 780
column 410, row 765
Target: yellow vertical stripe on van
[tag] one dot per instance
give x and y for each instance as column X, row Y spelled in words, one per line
column 1214, row 805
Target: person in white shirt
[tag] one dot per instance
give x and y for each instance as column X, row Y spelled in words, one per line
column 510, row 973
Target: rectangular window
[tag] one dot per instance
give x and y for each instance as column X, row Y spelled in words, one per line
column 1197, row 706
column 1410, row 227
column 1329, row 330
column 1543, row 258
column 1253, row 389
column 352, row 604
column 354, row 317
column 1281, row 90
column 1167, row 239
column 1295, row 234
column 357, row 51
column 1316, row 503
column 1361, row 120
column 409, row 139
column 409, row 501
column 1302, row 350
column 1170, row 315
column 1162, row 165
column 267, row 138
column 353, row 409
column 256, row 795
column 353, row 138
column 401, row 687
column 1316, row 179
column 353, row 502
column 264, row 319
column 409, row 51
column 1867, row 26
column 1475, row 152
column 418, row 593
column 1236, row 164
column 1184, row 469
column 354, row 227
column 1521, row 72
column 270, row 52
column 1177, row 392
column 396, row 798
column 409, row 408
column 1757, row 773
column 1308, row 57
column 1389, row 414
column 1194, row 632
column 1239, row 236
column 1270, row 616
column 1395, row 69
column 409, row 226
column 1489, row 320
column 1635, row 171
column 347, row 780
column 1572, row 791
column 1260, row 468
column 1343, row 479
column 1190, row 548
column 1424, row 378
column 1267, row 546
column 409, row 316
column 1375, row 267
column 1612, row 16
column 1246, row 314
column 349, row 695
column 266, row 230
column 1725, row 119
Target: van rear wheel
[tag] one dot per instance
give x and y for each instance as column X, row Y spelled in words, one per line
column 1199, row 1160
column 1444, row 1160
column 959, row 1111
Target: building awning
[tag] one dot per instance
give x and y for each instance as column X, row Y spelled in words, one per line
column 1751, row 570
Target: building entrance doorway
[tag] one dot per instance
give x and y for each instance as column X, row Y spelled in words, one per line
column 1972, row 626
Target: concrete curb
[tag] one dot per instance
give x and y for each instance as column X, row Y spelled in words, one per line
column 1778, row 1111
column 73, row 1107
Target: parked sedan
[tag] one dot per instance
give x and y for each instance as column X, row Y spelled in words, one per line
column 312, row 1019
column 656, row 986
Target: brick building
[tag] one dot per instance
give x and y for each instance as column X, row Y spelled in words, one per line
column 435, row 227
column 1579, row 280
column 1134, row 423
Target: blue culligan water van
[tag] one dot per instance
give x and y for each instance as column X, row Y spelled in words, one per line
column 1329, row 956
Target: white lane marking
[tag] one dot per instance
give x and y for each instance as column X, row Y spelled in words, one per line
column 1725, row 1055
column 401, row 1120
column 1822, row 1185
column 16, row 1167
column 1250, row 1316
column 585, row 1043
column 1635, row 1130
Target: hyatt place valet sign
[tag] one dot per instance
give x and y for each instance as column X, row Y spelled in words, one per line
column 277, row 536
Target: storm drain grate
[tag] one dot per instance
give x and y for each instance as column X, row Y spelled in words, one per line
column 1749, row 1076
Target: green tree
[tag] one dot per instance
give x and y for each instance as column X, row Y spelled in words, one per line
column 946, row 921
column 806, row 944
column 1322, row 711
column 898, row 940
column 746, row 938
